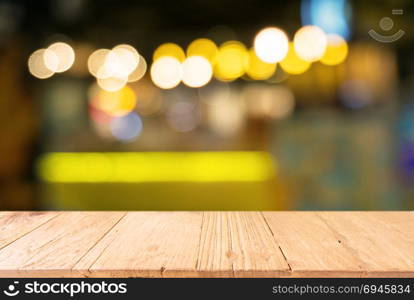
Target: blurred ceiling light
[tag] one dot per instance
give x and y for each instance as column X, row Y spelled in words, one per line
column 37, row 63
column 230, row 61
column 126, row 128
column 292, row 63
column 333, row 16
column 203, row 47
column 264, row 101
column 258, row 69
column 112, row 84
column 171, row 50
column 96, row 60
column 139, row 71
column 336, row 51
column 117, row 103
column 166, row 72
column 65, row 56
column 211, row 166
column 310, row 43
column 271, row 44
column 183, row 116
column 197, row 71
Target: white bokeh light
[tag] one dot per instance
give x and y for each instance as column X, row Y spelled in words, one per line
column 37, row 65
column 271, row 45
column 197, row 71
column 65, row 56
column 166, row 72
column 310, row 43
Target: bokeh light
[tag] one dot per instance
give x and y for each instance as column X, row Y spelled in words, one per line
column 271, row 45
column 139, row 71
column 96, row 60
column 149, row 97
column 126, row 128
column 183, row 116
column 197, row 71
column 171, row 50
column 116, row 103
column 166, row 72
column 123, row 59
column 215, row 90
column 65, row 56
column 226, row 116
column 112, row 84
column 269, row 101
column 258, row 69
column 37, row 65
column 230, row 61
column 336, row 51
column 51, row 60
column 310, row 43
column 203, row 47
column 292, row 63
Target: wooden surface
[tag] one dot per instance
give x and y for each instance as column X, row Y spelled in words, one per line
column 206, row 244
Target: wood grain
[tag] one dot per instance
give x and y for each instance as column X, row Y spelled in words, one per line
column 382, row 241
column 310, row 246
column 147, row 244
column 207, row 244
column 54, row 248
column 14, row 225
column 239, row 244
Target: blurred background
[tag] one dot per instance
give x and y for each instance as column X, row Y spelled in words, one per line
column 206, row 105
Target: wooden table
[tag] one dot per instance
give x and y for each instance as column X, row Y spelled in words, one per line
column 206, row 244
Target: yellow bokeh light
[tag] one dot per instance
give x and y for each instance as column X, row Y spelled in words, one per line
column 203, row 47
column 271, row 44
column 166, row 72
column 258, row 69
column 310, row 43
column 197, row 71
column 64, row 54
column 336, row 52
column 117, row 103
column 96, row 60
column 171, row 50
column 293, row 64
column 230, row 61
column 139, row 71
column 37, row 66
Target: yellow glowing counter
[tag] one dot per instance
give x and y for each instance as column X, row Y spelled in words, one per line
column 243, row 180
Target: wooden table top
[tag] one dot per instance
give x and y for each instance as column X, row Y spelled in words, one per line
column 206, row 244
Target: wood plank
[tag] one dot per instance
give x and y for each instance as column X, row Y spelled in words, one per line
column 383, row 241
column 14, row 225
column 209, row 244
column 55, row 247
column 239, row 244
column 147, row 244
column 311, row 247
